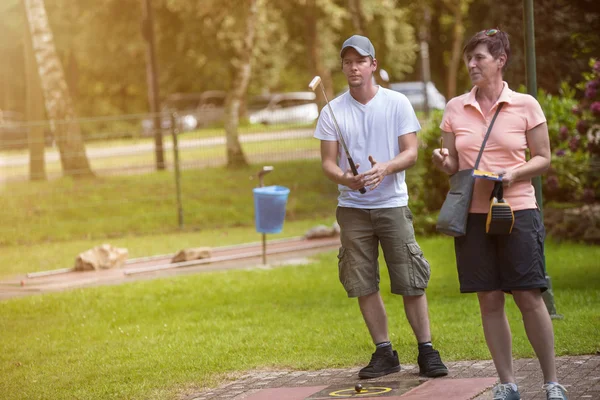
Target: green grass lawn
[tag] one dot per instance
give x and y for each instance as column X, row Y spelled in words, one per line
column 112, row 207
column 157, row 339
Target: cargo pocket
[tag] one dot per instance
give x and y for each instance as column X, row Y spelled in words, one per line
column 419, row 269
column 345, row 269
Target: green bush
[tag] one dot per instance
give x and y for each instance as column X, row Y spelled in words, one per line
column 562, row 182
column 574, row 129
column 434, row 183
column 427, row 186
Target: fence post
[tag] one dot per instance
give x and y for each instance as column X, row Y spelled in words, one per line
column 174, row 132
column 528, row 17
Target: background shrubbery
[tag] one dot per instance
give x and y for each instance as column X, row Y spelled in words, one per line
column 574, row 128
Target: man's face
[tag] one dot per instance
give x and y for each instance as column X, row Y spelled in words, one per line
column 482, row 66
column 358, row 69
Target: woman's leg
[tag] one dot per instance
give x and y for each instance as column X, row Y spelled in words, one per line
column 538, row 326
column 497, row 333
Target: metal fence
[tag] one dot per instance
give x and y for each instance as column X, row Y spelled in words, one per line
column 123, row 146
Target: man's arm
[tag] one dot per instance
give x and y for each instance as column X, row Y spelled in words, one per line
column 407, row 157
column 329, row 153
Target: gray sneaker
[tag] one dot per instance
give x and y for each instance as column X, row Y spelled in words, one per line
column 554, row 391
column 505, row 391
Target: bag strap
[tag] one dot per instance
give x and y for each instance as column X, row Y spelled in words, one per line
column 487, row 135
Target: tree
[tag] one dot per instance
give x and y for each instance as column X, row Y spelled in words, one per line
column 59, row 107
column 316, row 31
column 34, row 111
column 242, row 70
column 458, row 10
column 152, row 78
column 359, row 22
column 566, row 36
column 358, row 17
column 386, row 23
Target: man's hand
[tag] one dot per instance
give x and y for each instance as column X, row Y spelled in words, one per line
column 375, row 175
column 352, row 181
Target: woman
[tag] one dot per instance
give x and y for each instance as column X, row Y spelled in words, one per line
column 492, row 265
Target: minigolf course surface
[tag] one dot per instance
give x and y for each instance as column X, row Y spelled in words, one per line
column 448, row 389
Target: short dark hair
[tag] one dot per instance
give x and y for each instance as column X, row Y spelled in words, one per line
column 495, row 40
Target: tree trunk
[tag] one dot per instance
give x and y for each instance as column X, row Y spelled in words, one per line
column 358, row 17
column 424, row 54
column 458, row 36
column 34, row 112
column 314, row 48
column 59, row 105
column 359, row 22
column 243, row 69
column 152, row 79
column 6, row 87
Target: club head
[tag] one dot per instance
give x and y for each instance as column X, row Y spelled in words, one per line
column 314, row 83
column 265, row 170
column 384, row 75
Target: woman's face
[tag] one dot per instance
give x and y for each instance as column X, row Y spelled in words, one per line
column 482, row 66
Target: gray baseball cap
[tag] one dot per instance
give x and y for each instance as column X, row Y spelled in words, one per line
column 361, row 44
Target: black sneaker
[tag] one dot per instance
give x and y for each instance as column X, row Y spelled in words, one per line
column 430, row 363
column 384, row 361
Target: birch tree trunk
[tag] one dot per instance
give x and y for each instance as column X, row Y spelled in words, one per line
column 34, row 111
column 243, row 69
column 59, row 105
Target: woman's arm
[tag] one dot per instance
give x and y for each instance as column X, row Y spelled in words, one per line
column 539, row 147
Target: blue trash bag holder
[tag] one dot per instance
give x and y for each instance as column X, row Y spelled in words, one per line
column 269, row 208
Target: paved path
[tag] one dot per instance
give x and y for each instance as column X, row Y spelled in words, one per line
column 579, row 374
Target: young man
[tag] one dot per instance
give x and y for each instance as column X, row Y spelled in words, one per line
column 379, row 128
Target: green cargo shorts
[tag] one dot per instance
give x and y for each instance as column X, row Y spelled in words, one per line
column 362, row 231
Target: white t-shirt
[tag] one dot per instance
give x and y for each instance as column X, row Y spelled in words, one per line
column 370, row 129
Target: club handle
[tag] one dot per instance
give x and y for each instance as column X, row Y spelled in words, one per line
column 355, row 172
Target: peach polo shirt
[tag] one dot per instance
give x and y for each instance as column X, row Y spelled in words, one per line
column 506, row 145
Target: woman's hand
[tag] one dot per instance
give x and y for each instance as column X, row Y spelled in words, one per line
column 441, row 159
column 508, row 177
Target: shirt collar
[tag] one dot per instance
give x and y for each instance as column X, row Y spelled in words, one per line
column 505, row 96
